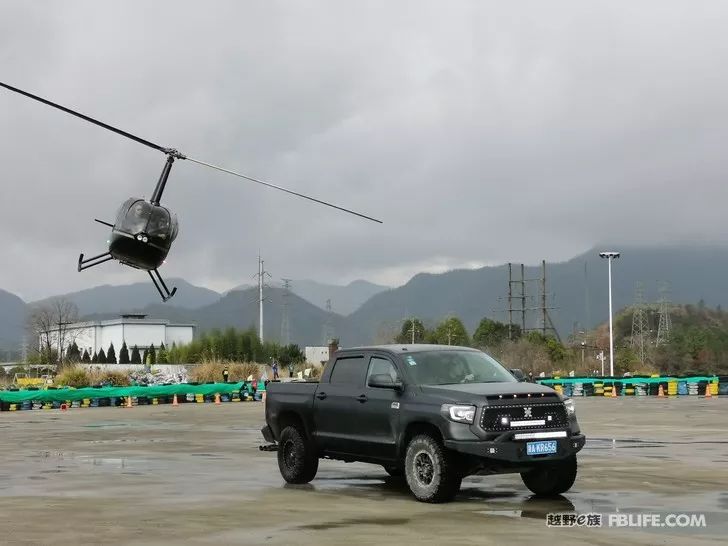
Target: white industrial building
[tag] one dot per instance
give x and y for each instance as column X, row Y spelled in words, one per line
column 317, row 355
column 132, row 329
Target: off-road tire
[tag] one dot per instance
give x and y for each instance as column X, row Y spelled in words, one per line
column 297, row 460
column 551, row 478
column 430, row 470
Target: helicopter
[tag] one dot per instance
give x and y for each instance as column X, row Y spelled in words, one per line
column 143, row 231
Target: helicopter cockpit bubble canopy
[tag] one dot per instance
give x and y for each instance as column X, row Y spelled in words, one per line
column 143, row 233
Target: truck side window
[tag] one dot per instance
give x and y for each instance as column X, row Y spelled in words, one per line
column 349, row 370
column 379, row 365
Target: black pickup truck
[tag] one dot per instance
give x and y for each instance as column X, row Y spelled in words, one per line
column 432, row 413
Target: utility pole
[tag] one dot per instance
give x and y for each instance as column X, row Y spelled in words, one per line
column 285, row 322
column 510, row 301
column 412, row 329
column 544, row 313
column 261, row 284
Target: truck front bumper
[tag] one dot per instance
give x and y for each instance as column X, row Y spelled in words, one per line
column 507, row 449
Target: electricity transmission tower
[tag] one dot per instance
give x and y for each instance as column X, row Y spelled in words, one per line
column 519, row 295
column 664, row 324
column 285, row 319
column 640, row 324
column 261, row 285
column 328, row 330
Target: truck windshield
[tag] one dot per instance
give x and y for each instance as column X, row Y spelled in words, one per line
column 452, row 367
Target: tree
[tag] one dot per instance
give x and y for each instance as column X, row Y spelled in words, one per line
column 124, row 354
column 86, row 357
column 49, row 325
column 73, row 354
column 150, row 357
column 136, row 358
column 490, row 333
column 162, row 357
column 413, row 331
column 101, row 358
column 450, row 331
column 111, row 354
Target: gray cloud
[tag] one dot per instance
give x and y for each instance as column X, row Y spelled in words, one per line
column 480, row 132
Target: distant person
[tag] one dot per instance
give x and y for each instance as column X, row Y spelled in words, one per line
column 290, row 369
column 225, row 374
column 275, row 370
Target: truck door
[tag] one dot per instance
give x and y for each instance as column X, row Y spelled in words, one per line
column 378, row 412
column 335, row 408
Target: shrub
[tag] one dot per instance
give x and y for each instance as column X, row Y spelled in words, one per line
column 106, row 377
column 211, row 370
column 73, row 377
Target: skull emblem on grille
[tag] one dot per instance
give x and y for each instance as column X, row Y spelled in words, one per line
column 527, row 412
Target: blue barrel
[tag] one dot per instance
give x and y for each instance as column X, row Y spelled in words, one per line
column 682, row 388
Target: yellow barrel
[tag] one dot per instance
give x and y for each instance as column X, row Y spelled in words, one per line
column 13, row 407
column 559, row 389
column 155, row 401
column 629, row 391
column 672, row 388
column 714, row 388
column 200, row 398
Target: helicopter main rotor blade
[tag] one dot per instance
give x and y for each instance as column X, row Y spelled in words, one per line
column 257, row 181
column 175, row 153
column 87, row 118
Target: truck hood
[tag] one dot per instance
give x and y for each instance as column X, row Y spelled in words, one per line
column 473, row 391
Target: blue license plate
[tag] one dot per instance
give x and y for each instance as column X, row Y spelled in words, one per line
column 541, row 448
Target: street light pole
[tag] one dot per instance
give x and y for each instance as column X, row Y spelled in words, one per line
column 610, row 256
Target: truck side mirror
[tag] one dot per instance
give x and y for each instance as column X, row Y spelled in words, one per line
column 384, row 381
column 518, row 374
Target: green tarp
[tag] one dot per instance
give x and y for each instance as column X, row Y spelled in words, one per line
column 623, row 380
column 62, row 395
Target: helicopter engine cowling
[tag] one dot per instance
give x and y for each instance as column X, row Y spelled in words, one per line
column 142, row 234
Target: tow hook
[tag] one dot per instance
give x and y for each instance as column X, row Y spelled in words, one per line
column 269, row 447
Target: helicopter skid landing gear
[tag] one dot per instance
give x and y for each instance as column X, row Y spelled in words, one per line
column 96, row 260
column 166, row 294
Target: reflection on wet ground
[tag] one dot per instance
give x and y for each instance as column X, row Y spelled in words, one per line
column 198, row 470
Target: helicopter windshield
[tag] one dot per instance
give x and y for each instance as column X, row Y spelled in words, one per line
column 133, row 216
column 162, row 225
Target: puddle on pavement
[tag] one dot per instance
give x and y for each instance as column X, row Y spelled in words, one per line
column 351, row 522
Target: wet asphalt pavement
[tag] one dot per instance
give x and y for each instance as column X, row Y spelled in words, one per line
column 194, row 474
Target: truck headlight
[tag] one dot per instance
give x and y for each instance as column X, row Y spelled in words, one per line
column 569, row 405
column 460, row 414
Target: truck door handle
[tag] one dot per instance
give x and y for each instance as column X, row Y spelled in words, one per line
column 321, row 395
column 362, row 398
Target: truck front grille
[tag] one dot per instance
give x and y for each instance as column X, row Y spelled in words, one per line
column 502, row 418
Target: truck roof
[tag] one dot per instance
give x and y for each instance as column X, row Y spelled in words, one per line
column 408, row 348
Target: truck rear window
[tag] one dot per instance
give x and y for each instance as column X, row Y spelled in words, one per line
column 349, row 370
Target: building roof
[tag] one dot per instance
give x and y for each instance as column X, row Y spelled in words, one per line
column 126, row 320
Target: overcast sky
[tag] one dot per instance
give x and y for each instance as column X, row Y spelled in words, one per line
column 479, row 132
